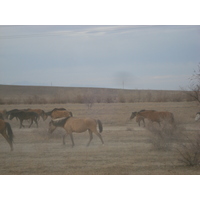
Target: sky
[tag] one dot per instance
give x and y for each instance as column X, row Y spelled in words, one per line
column 159, row 57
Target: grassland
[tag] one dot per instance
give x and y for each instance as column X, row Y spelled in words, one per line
column 128, row 148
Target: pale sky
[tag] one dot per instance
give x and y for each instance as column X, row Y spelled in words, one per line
column 133, row 57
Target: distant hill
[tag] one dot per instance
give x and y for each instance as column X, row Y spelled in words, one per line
column 48, row 94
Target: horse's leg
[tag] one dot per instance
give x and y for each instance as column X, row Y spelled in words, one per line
column 7, row 139
column 99, row 135
column 31, row 122
column 35, row 120
column 21, row 125
column 143, row 122
column 72, row 139
column 91, row 137
column 64, row 139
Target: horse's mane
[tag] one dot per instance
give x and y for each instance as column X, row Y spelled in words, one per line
column 50, row 112
column 146, row 110
column 60, row 121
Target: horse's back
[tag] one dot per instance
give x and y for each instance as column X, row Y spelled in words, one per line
column 80, row 124
column 60, row 113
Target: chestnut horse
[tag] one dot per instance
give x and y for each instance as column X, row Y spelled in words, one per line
column 6, row 131
column 78, row 125
column 59, row 113
column 138, row 118
column 155, row 116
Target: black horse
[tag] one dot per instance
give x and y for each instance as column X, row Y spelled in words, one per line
column 25, row 115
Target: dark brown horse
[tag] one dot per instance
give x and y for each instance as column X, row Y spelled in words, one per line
column 6, row 131
column 78, row 125
column 40, row 112
column 25, row 115
column 8, row 113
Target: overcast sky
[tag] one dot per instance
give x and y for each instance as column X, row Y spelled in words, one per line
column 133, row 57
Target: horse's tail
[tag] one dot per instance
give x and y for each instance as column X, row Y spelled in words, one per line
column 100, row 125
column 10, row 132
column 173, row 121
column 71, row 114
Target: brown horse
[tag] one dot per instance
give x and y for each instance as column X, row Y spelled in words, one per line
column 6, row 131
column 3, row 114
column 138, row 118
column 155, row 116
column 40, row 112
column 25, row 115
column 59, row 113
column 78, row 125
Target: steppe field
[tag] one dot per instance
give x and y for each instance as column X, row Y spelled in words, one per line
column 128, row 149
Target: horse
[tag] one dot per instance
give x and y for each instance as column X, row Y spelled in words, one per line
column 55, row 113
column 3, row 114
column 155, row 116
column 138, row 119
column 24, row 115
column 78, row 125
column 6, row 131
column 60, row 113
column 197, row 116
column 8, row 113
column 40, row 112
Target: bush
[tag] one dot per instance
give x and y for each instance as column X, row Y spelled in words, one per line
column 121, row 98
column 190, row 151
column 162, row 138
column 2, row 101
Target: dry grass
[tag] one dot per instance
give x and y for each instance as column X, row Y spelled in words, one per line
column 88, row 96
column 127, row 149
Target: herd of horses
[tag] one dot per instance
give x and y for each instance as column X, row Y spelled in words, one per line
column 60, row 117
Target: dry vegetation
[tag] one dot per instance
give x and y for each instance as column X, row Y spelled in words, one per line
column 58, row 95
column 128, row 149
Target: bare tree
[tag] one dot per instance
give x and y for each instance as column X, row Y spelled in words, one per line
column 194, row 87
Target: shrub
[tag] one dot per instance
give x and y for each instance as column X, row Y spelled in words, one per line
column 2, row 101
column 190, row 151
column 109, row 99
column 162, row 138
column 121, row 99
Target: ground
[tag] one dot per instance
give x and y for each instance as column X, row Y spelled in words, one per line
column 127, row 150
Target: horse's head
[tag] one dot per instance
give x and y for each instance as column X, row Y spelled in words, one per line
column 133, row 115
column 197, row 116
column 44, row 116
column 52, row 127
column 11, row 116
